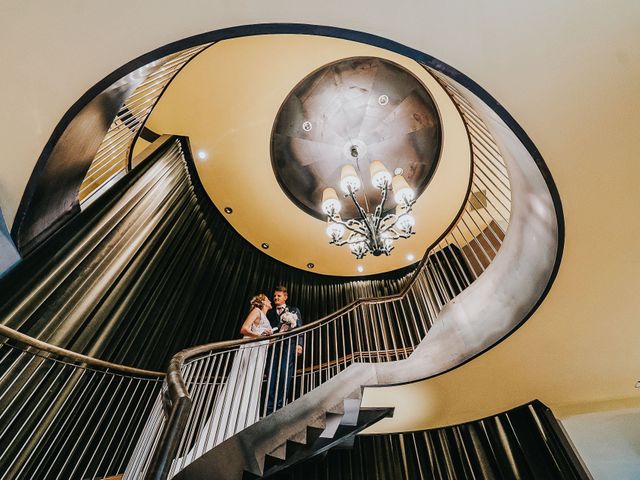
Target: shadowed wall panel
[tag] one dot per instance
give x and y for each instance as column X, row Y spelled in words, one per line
column 152, row 268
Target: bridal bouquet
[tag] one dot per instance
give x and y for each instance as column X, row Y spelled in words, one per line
column 289, row 319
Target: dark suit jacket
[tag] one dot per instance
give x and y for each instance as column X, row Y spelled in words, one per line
column 274, row 319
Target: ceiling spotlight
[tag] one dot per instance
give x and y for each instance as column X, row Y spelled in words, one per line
column 265, row 245
column 398, row 171
column 411, row 257
column 228, row 210
column 306, row 126
column 310, row 265
column 360, row 268
column 383, row 100
column 202, row 155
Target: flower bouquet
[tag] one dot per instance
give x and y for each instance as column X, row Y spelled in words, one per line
column 288, row 320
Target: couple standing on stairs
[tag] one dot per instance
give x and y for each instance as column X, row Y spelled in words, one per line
column 237, row 404
column 265, row 319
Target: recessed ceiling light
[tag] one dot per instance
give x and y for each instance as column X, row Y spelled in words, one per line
column 228, row 210
column 411, row 257
column 265, row 245
column 398, row 171
column 310, row 265
column 383, row 100
column 306, row 126
column 360, row 268
column 202, row 155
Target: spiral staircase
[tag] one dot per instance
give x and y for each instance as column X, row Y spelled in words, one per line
column 477, row 283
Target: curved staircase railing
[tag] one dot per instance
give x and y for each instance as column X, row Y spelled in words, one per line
column 213, row 391
column 66, row 415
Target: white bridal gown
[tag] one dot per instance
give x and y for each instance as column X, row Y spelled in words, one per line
column 237, row 404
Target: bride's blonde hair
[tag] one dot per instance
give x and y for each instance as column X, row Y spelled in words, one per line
column 258, row 301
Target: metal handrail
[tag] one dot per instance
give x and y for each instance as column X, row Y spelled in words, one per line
column 47, row 347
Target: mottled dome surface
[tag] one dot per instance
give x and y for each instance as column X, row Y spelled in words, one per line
column 367, row 102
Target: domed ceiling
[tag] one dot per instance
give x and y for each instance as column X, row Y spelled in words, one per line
column 243, row 100
column 354, row 111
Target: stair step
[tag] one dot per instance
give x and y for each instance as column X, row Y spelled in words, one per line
column 319, row 422
column 344, row 433
column 294, row 446
column 338, row 408
column 279, row 452
column 270, row 461
column 333, row 422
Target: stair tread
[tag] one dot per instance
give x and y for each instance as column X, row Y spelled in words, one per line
column 367, row 417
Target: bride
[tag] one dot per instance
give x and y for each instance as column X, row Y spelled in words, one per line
column 237, row 404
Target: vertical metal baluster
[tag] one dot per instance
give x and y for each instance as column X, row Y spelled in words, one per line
column 107, row 386
column 248, row 354
column 350, row 327
column 359, row 334
column 365, row 327
column 400, row 323
column 304, row 356
column 96, row 426
column 192, row 372
column 478, row 262
column 106, row 429
column 234, row 396
column 278, row 372
column 271, row 353
column 212, row 398
column 152, row 440
column 295, row 368
column 69, row 416
column 133, row 438
column 35, row 448
column 313, row 359
column 196, row 392
column 220, row 397
column 327, row 368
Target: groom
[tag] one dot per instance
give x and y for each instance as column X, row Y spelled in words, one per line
column 282, row 360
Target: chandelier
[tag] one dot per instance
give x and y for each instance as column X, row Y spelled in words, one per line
column 374, row 232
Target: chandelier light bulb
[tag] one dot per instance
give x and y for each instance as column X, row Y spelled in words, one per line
column 406, row 222
column 330, row 202
column 335, row 230
column 349, row 180
column 403, row 193
column 380, row 176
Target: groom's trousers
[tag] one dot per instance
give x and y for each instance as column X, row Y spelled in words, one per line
column 282, row 364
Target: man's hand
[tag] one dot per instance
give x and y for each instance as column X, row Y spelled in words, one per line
column 299, row 350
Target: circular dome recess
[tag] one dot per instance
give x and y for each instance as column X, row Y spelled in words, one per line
column 369, row 103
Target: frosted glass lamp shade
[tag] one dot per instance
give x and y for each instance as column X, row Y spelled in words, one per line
column 402, row 192
column 335, row 230
column 349, row 180
column 380, row 176
column 406, row 222
column 330, row 202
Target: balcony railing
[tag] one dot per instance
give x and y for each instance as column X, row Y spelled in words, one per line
column 64, row 415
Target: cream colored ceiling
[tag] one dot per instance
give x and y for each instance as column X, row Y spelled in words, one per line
column 226, row 101
column 567, row 71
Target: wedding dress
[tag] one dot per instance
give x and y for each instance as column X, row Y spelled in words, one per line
column 237, row 404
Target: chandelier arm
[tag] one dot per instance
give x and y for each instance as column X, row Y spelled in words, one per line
column 380, row 208
column 351, row 224
column 363, row 214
